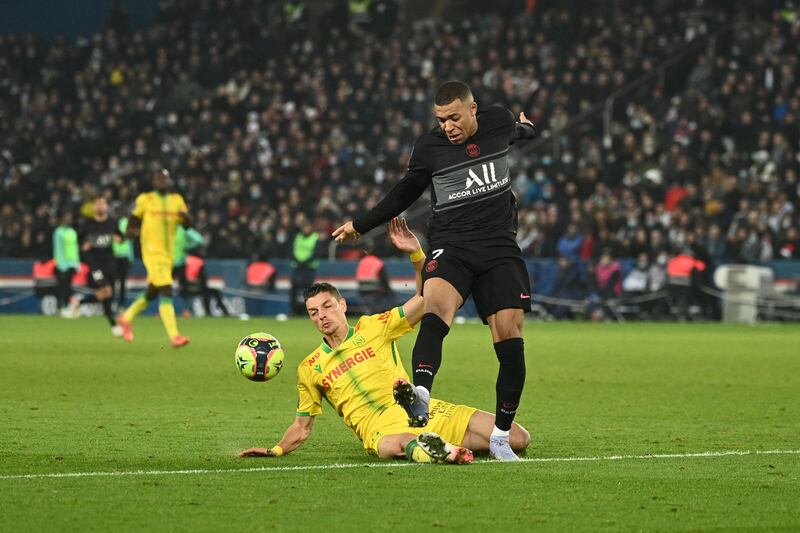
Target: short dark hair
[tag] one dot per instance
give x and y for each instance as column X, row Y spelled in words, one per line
column 319, row 287
column 452, row 90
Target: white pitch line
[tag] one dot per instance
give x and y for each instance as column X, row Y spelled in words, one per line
column 729, row 453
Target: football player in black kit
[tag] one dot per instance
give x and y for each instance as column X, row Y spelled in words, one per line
column 473, row 248
column 97, row 237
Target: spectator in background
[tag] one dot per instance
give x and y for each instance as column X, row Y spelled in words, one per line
column 569, row 245
column 637, row 282
column 790, row 247
column 185, row 241
column 716, row 243
column 607, row 281
column 657, row 274
column 608, row 276
column 67, row 257
column 304, row 266
column 644, row 279
column 683, row 272
column 569, row 285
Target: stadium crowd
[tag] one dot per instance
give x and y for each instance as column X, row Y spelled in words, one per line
column 272, row 115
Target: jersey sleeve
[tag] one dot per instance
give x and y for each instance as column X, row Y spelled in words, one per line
column 194, row 239
column 507, row 122
column 394, row 323
column 182, row 207
column 402, row 195
column 82, row 231
column 140, row 206
column 58, row 247
column 309, row 397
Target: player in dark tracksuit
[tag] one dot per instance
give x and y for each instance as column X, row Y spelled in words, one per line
column 473, row 248
column 97, row 237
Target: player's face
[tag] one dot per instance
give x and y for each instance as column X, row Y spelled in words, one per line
column 326, row 312
column 101, row 207
column 161, row 180
column 457, row 119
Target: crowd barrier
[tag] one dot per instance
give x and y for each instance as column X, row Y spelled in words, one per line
column 18, row 294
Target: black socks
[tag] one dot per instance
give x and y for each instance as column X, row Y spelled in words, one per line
column 427, row 355
column 109, row 312
column 510, row 380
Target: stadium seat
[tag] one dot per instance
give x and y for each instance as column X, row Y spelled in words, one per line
column 82, row 276
column 44, row 277
column 194, row 265
column 261, row 275
column 373, row 285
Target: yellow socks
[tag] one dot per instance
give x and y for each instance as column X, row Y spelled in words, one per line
column 138, row 305
column 165, row 310
column 167, row 313
column 416, row 454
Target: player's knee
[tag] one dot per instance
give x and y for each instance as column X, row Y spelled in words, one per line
column 444, row 312
column 507, row 326
column 434, row 323
column 519, row 437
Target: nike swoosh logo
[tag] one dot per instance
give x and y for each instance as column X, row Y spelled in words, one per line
column 524, row 296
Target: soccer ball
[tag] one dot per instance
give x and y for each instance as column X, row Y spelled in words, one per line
column 259, row 357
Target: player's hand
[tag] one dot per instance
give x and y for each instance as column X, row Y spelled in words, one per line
column 523, row 119
column 345, row 232
column 402, row 237
column 257, row 452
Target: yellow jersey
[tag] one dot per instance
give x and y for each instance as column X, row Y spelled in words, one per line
column 160, row 215
column 357, row 377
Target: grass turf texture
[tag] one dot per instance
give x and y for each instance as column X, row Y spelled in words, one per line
column 73, row 399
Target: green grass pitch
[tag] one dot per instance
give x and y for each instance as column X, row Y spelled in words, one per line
column 73, row 399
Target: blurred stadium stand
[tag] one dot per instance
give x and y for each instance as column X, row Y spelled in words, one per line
column 668, row 126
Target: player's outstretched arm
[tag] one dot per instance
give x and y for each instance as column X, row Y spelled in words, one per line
column 405, row 241
column 397, row 200
column 298, row 432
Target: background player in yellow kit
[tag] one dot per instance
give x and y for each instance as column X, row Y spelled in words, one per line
column 356, row 368
column 155, row 217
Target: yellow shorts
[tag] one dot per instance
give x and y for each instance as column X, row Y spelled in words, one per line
column 159, row 270
column 449, row 420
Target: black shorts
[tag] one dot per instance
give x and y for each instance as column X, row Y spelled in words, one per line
column 493, row 272
column 102, row 275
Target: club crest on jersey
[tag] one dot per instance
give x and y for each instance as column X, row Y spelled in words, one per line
column 473, row 150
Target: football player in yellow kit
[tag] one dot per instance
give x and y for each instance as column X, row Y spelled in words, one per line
column 155, row 218
column 358, row 370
